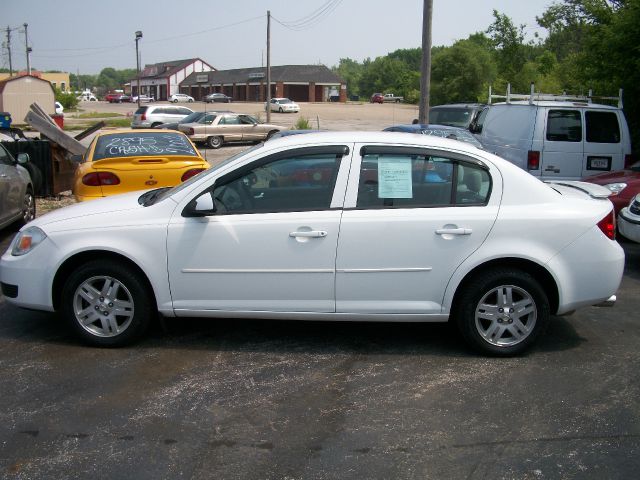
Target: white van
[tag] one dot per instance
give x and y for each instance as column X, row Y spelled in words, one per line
column 556, row 140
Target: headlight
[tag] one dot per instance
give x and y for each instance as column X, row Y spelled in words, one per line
column 616, row 188
column 27, row 240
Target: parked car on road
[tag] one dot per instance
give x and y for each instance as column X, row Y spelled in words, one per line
column 59, row 109
column 17, row 199
column 284, row 105
column 143, row 99
column 218, row 128
column 126, row 160
column 150, row 116
column 328, row 226
column 87, row 97
column 377, row 98
column 455, row 114
column 217, row 98
column 443, row 131
column 112, row 97
column 629, row 220
column 624, row 185
column 180, row 97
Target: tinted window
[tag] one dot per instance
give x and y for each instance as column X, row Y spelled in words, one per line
column 141, row 110
column 5, row 159
column 602, row 127
column 564, row 126
column 143, row 144
column 181, row 111
column 455, row 117
column 404, row 181
column 296, row 183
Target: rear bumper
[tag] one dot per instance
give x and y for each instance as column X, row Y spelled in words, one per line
column 609, row 302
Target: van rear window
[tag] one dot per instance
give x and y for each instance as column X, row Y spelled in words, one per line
column 564, row 126
column 602, row 127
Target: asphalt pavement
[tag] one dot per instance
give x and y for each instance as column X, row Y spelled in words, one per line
column 241, row 399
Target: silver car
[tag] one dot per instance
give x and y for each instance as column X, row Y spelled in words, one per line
column 150, row 116
column 17, row 201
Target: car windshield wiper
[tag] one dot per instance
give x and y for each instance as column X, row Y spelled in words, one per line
column 150, row 197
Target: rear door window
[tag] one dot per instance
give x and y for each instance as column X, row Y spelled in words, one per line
column 602, row 127
column 564, row 126
column 397, row 180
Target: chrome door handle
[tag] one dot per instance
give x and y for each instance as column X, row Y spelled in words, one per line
column 309, row 234
column 454, row 231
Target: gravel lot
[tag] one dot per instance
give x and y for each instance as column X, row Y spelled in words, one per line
column 231, row 399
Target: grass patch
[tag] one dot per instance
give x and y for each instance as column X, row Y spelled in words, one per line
column 119, row 122
column 98, row 115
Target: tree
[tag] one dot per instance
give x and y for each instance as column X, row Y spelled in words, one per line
column 350, row 71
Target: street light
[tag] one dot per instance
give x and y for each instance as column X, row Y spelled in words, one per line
column 138, row 37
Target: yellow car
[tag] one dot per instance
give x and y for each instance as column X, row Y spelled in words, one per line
column 121, row 161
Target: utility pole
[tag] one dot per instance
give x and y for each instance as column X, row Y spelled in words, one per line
column 28, row 48
column 138, row 37
column 425, row 71
column 268, row 66
column 9, row 49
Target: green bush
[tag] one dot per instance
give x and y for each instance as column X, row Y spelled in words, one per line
column 302, row 124
column 68, row 100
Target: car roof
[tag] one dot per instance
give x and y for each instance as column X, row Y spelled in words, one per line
column 375, row 137
column 461, row 105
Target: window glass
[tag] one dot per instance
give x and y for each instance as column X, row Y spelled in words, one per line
column 298, row 183
column 406, row 181
column 142, row 144
column 4, row 157
column 229, row 120
column 564, row 126
column 602, row 127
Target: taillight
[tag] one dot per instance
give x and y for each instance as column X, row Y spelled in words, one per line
column 96, row 179
column 533, row 160
column 608, row 225
column 143, row 116
column 628, row 161
column 190, row 131
column 190, row 173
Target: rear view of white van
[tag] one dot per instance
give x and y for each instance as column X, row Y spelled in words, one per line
column 557, row 140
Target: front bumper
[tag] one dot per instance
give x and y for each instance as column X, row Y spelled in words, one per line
column 629, row 225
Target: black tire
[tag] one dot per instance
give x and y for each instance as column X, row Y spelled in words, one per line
column 271, row 134
column 36, row 176
column 215, row 141
column 28, row 208
column 89, row 297
column 502, row 312
column 155, row 124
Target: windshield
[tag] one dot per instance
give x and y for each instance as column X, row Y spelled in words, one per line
column 170, row 191
column 284, row 100
column 455, row 117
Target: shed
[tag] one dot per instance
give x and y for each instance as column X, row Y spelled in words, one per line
column 18, row 93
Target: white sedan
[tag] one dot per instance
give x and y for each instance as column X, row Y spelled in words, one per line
column 181, row 97
column 374, row 226
column 284, row 105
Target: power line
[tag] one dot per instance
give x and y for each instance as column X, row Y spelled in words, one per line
column 312, row 19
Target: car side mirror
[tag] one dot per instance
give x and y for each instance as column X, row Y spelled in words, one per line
column 201, row 206
column 22, row 158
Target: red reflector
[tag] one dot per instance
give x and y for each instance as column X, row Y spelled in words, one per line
column 608, row 225
column 628, row 161
column 533, row 160
column 95, row 179
column 190, row 173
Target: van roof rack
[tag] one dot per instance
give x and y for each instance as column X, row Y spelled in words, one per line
column 533, row 96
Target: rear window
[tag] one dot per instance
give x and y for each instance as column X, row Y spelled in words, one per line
column 564, row 126
column 455, row 117
column 141, row 110
column 143, row 144
column 602, row 127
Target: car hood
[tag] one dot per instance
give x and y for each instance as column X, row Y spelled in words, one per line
column 101, row 206
column 614, row 177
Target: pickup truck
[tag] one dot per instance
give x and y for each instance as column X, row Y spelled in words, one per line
column 386, row 98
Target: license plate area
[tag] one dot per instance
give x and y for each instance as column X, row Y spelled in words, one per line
column 599, row 163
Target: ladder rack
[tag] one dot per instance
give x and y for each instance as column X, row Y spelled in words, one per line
column 533, row 96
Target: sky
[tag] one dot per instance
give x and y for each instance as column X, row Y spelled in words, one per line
column 86, row 36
